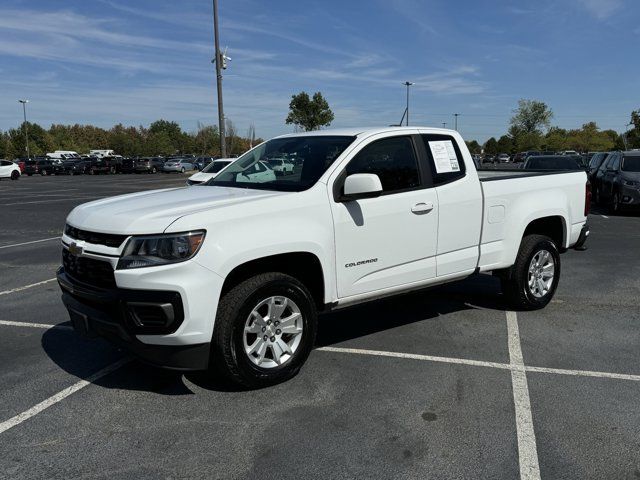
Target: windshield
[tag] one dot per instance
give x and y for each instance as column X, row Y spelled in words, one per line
column 631, row 164
column 553, row 163
column 215, row 167
column 314, row 155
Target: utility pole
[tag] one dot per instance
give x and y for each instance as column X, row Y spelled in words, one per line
column 408, row 84
column 26, row 131
column 218, row 61
column 455, row 115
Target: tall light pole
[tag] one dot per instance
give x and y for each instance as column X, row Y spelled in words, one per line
column 26, row 131
column 456, row 115
column 408, row 84
column 444, row 124
column 218, row 62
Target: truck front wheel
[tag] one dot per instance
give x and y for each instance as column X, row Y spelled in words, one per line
column 264, row 330
column 532, row 281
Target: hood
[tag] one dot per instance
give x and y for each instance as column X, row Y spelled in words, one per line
column 202, row 176
column 153, row 211
column 634, row 176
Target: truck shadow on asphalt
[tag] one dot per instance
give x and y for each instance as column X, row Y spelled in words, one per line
column 82, row 357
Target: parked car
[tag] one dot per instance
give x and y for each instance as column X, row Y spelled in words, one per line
column 39, row 166
column 83, row 166
column 489, row 159
column 502, row 158
column 70, row 167
column 619, row 185
column 114, row 162
column 522, row 156
column 99, row 165
column 128, row 165
column 201, row 162
column 237, row 282
column 179, row 165
column 594, row 163
column 8, row 169
column 281, row 166
column 598, row 176
column 149, row 164
column 553, row 162
column 209, row 172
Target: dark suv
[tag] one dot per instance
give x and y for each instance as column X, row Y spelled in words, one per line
column 39, row 166
column 619, row 181
column 128, row 165
column 149, row 165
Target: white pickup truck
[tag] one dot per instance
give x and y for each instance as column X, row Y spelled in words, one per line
column 232, row 273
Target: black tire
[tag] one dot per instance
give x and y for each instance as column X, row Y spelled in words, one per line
column 15, row 175
column 29, row 174
column 154, row 170
column 43, row 173
column 182, row 170
column 227, row 349
column 515, row 280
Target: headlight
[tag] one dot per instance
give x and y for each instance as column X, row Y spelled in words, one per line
column 150, row 251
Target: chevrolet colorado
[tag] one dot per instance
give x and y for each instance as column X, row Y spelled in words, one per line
column 232, row 273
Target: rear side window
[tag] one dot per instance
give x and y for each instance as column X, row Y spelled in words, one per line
column 616, row 163
column 607, row 163
column 392, row 159
column 445, row 158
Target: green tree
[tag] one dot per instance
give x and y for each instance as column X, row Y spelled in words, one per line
column 531, row 116
column 491, row 146
column 474, row 146
column 40, row 141
column 505, row 144
column 309, row 113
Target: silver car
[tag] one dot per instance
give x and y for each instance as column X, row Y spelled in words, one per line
column 180, row 165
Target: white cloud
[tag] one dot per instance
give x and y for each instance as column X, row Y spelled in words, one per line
column 601, row 9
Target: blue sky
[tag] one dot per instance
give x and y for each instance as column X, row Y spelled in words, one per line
column 109, row 61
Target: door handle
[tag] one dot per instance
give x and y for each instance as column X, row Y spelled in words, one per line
column 422, row 207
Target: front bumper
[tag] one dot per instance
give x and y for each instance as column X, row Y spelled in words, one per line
column 630, row 195
column 120, row 315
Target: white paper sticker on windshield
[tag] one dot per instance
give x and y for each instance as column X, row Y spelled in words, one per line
column 444, row 156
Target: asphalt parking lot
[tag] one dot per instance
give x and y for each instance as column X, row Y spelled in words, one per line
column 438, row 384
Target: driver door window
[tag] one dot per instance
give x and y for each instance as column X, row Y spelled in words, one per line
column 393, row 160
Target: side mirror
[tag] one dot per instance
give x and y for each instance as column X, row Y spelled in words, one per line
column 361, row 185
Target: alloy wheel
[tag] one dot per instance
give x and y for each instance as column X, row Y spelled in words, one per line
column 541, row 273
column 273, row 332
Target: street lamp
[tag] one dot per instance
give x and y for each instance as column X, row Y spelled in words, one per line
column 26, row 134
column 444, row 124
column 408, row 84
column 456, row 115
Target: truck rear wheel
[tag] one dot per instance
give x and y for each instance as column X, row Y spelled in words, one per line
column 264, row 330
column 532, row 281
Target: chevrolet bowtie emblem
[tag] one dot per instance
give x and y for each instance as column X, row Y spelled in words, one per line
column 75, row 249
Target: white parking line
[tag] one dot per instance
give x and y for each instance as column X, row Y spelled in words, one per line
column 479, row 363
column 604, row 216
column 61, row 395
column 54, row 200
column 29, row 243
column 46, row 326
column 527, row 450
column 429, row 358
column 19, row 289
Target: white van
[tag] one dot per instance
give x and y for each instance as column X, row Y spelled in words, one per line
column 101, row 153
